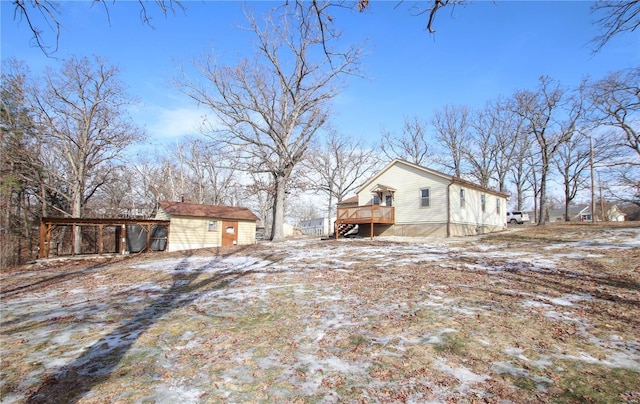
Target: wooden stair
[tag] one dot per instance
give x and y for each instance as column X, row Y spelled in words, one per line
column 344, row 228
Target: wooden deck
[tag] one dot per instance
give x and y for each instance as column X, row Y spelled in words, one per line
column 370, row 214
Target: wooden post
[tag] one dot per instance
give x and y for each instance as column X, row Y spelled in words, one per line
column 44, row 243
column 100, row 239
column 117, row 240
column 123, row 239
column 148, row 248
column 166, row 247
column 73, row 240
column 371, row 216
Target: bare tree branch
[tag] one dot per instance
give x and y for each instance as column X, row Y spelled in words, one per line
column 617, row 18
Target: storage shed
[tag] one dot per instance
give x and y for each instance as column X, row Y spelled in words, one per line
column 203, row 226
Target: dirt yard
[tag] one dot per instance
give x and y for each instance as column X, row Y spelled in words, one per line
column 532, row 314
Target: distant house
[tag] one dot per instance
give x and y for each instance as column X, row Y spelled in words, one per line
column 316, row 227
column 582, row 213
column 202, row 226
column 577, row 213
column 614, row 214
column 405, row 199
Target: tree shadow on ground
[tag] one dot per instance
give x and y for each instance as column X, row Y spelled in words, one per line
column 593, row 281
column 48, row 281
column 73, row 381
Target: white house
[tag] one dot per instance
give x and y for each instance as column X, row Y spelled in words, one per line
column 582, row 213
column 405, row 199
column 316, row 227
column 577, row 213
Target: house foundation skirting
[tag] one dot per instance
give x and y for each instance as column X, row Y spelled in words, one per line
column 421, row 230
column 472, row 229
column 429, row 230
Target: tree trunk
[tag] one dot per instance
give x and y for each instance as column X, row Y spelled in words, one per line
column 567, row 202
column 543, row 193
column 328, row 216
column 76, row 211
column 277, row 227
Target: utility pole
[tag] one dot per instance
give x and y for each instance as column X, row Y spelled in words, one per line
column 593, row 183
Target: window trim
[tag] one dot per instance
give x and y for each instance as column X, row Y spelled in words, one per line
column 214, row 227
column 388, row 200
column 498, row 208
column 427, row 198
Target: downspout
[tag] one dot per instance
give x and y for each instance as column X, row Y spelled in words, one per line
column 449, row 208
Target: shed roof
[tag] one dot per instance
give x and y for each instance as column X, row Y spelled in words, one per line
column 212, row 211
column 348, row 201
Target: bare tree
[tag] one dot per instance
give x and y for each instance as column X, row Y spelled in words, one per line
column 573, row 161
column 411, row 145
column 452, row 127
column 338, row 166
column 259, row 195
column 616, row 103
column 82, row 110
column 481, row 152
column 551, row 116
column 506, row 129
column 157, row 177
column 616, row 99
column 207, row 173
column 19, row 172
column 272, row 106
column 617, row 17
column 524, row 172
column 44, row 16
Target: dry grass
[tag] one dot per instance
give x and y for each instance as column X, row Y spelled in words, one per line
column 547, row 314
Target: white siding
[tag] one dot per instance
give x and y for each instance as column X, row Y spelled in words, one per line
column 408, row 181
column 161, row 214
column 246, row 233
column 472, row 213
column 413, row 219
column 187, row 233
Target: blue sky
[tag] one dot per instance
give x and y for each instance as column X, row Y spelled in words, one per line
column 479, row 52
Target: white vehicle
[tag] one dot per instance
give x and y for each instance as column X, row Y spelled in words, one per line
column 517, row 217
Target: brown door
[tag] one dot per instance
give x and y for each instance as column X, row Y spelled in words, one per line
column 229, row 233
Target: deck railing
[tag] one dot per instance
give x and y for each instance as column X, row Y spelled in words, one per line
column 366, row 214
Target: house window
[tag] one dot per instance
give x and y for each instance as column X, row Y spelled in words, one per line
column 425, row 199
column 388, row 200
column 462, row 202
column 213, row 225
column 483, row 203
column 376, row 200
column 498, row 205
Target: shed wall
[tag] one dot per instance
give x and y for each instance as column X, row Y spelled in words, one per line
column 189, row 233
column 246, row 233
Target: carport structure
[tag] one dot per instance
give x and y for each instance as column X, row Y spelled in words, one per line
column 117, row 239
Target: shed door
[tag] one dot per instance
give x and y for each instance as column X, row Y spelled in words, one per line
column 229, row 233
